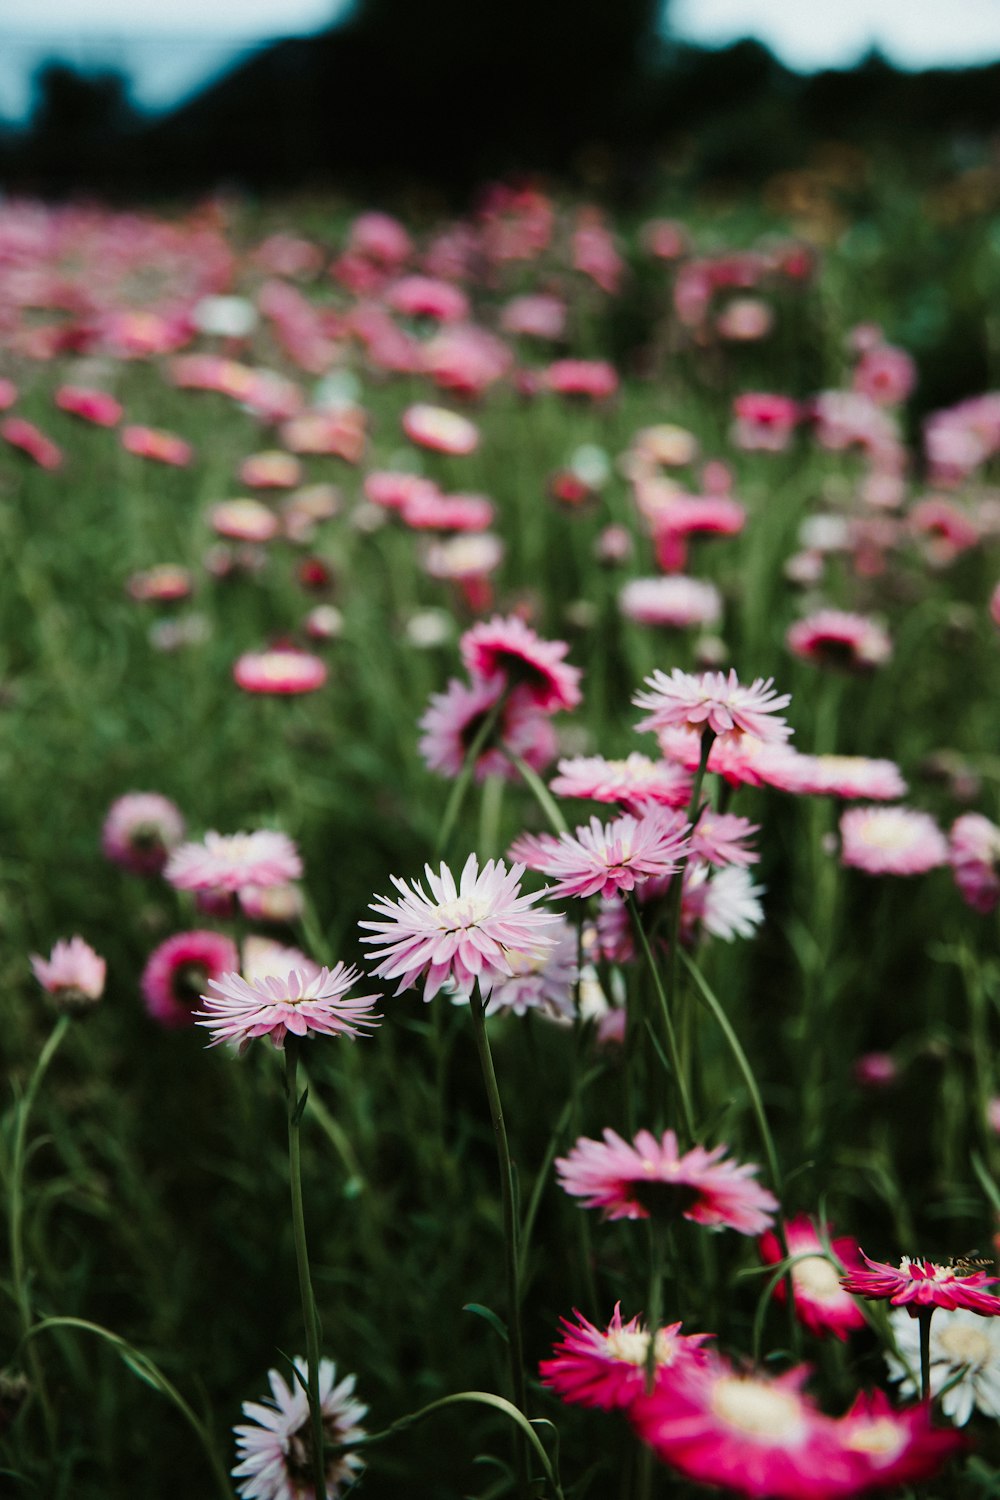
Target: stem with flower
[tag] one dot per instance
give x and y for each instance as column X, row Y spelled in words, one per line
column 310, row 1317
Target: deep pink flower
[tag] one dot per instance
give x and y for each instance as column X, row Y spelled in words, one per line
column 91, row 406
column 606, row 1368
column 837, row 638
column 974, row 843
column 714, row 701
column 279, row 671
column 161, row 584
column 821, row 1303
column 301, row 1003
column 426, row 297
column 891, row 841
column 764, row 422
column 651, row 1177
column 461, row 933
column 528, row 665
column 228, row 862
column 141, row 830
column 438, row 428
column 594, row 378
column 73, row 974
column 22, row 434
column 178, row 970
column 634, row 783
column 890, row 1447
column 914, row 1284
column 602, row 859
column 162, row 447
column 453, row 720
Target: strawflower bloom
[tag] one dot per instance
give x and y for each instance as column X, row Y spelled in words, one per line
column 274, row 1448
column 975, row 858
column 161, row 447
column 721, row 839
column 889, row 1447
column 461, row 933
column 603, row 859
column 650, row 1177
column 22, row 434
column 281, row 670
column 228, row 862
column 140, row 831
column 725, row 902
column 90, row 405
column 891, row 841
column 837, row 638
column 964, row 1356
column 299, row 1002
column 821, row 1303
column 848, row 777
column 916, row 1284
column 674, row 602
column 716, row 702
column 178, row 971
column 635, row 782
column 454, row 719
column 542, row 979
column 606, row 1368
column 527, row 664
column 438, row 428
column 73, row 974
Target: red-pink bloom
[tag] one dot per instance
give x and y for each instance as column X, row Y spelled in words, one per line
column 529, row 666
column 162, row 447
column 22, row 434
column 606, row 1368
column 603, row 859
column 460, row 934
column 721, row 838
column 764, row 422
column 594, row 378
column 538, row 316
column 228, row 862
column 466, row 359
column 425, row 297
column 652, row 1177
column 73, row 974
column 280, row 670
column 885, row 374
column 340, row 433
column 914, row 1284
column 975, row 858
column 890, row 1447
column 428, row 510
column 438, row 428
column 634, row 783
column 140, row 831
column 178, row 970
column 160, row 584
column 891, row 841
column 244, row 520
column 91, row 406
column 271, row 470
column 453, row 720
column 300, row 1003
column 675, row 602
column 713, row 701
column 821, row 1303
column 837, row 638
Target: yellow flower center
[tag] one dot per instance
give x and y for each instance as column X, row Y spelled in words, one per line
column 882, row 1437
column 757, row 1409
column 816, row 1277
column 965, row 1345
column 632, row 1346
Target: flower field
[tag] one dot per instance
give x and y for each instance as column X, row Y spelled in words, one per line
column 500, row 846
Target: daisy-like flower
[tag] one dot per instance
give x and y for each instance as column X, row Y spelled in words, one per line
column 244, row 520
column 891, row 841
column 453, row 720
column 721, row 838
column 606, row 1367
column 821, row 1303
column 887, row 1448
column 228, row 862
column 438, row 428
column 602, row 859
column 299, row 1002
column 714, row 701
column 73, row 974
column 964, row 1356
column 460, row 934
column 178, row 970
column 725, row 902
column 635, row 782
column 837, row 638
column 974, row 844
column 526, row 663
column 848, row 777
column 281, row 671
column 916, row 1284
column 140, row 830
column 541, row 979
column 274, row 469
column 650, row 1177
column 674, row 602
column 274, row 1447
column 263, row 958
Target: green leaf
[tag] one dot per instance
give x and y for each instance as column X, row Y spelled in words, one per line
column 497, row 1324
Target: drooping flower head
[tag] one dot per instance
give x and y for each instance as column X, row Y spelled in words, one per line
column 299, row 1002
column 73, row 974
column 461, row 933
column 915, row 1284
column 651, row 1177
column 274, row 1447
column 526, row 663
column 891, row 841
column 821, row 1303
column 454, row 719
column 964, row 1357
column 602, row 859
column 228, row 862
column 178, row 971
column 140, row 831
column 606, row 1367
column 716, row 702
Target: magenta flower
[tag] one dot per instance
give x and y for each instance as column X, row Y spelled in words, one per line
column 140, row 831
column 178, row 970
column 228, row 862
column 606, row 1368
column 299, row 1002
column 836, row 638
column 716, row 702
column 279, row 671
column 821, row 1303
column 890, row 1447
column 453, row 720
column 721, row 838
column 975, row 858
column 460, row 934
column 526, row 663
column 914, row 1284
column 635, row 782
column 602, row 859
column 274, row 1448
column 891, row 841
column 73, row 974
column 650, row 1177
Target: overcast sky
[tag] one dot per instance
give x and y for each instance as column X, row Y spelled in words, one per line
column 172, row 51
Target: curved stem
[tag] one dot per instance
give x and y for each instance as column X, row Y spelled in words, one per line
column 668, row 1025
column 539, row 791
column 295, row 1106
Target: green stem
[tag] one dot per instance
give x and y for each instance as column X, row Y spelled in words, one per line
column 461, row 786
column 19, row 1275
column 924, row 1315
column 668, row 1025
column 676, row 907
column 309, row 1317
column 515, row 1344
column 539, row 791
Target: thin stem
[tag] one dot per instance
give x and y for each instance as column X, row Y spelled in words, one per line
column 515, row 1345
column 924, row 1315
column 677, row 903
column 668, row 1025
column 309, row 1318
column 539, row 791
column 461, row 785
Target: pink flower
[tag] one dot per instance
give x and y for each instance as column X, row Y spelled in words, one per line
column 716, row 702
column 885, row 374
column 274, row 1448
column 651, row 1177
column 846, row 776
column 542, row 979
column 20, row 433
column 891, row 841
column 439, row 429
column 634, row 782
column 90, row 405
column 890, row 1447
column 875, row 1070
column 836, row 638
column 764, row 423
column 528, row 665
column 594, row 378
column 721, row 839
column 453, row 720
column 537, row 316
column 602, row 859
column 162, row 447
column 745, row 319
column 271, row 470
column 606, row 1368
column 429, row 510
column 595, row 253
column 161, row 584
column 923, row 1283
column 821, row 1303
column 466, row 359
column 140, row 831
column 426, row 297
column 73, row 974
column 380, row 238
column 460, row 934
column 975, row 858
column 178, row 970
column 281, row 671
column 676, row 602
column 228, row 862
column 263, row 958
column 297, row 1002
column 339, row 433
column 244, row 521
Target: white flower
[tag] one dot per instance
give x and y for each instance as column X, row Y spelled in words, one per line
column 965, row 1348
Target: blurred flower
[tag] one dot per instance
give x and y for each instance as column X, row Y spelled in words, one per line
column 90, row 405
column 140, row 831
column 675, row 602
column 964, row 1356
column 885, row 374
column 530, row 667
column 162, row 447
column 271, row 470
column 892, row 1448
column 764, row 422
column 542, row 979
column 426, row 297
column 876, row 1070
column 178, row 970
column 225, row 317
column 713, row 701
column 594, row 378
column 538, row 316
column 721, row 838
column 22, row 434
column 73, row 974
column 845, row 776
column 274, row 1449
column 161, row 584
column 891, row 841
column 303, row 1003
column 821, row 1303
column 602, row 859
column 264, row 958
column 453, row 720
column 974, row 844
column 634, row 782
column 439, row 429
column 281, row 671
column 244, row 521
column 228, row 862
column 914, row 1284
column 836, row 638
column 272, row 903
column 606, row 1368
